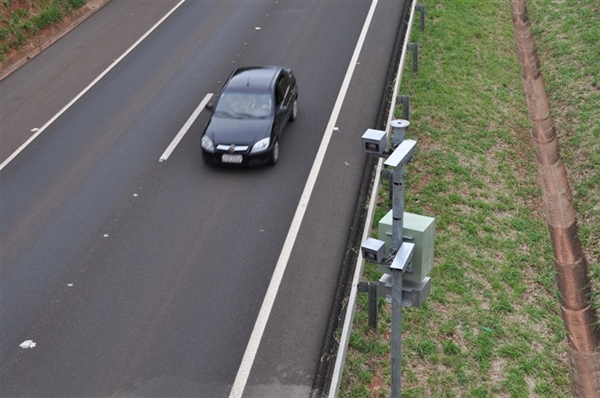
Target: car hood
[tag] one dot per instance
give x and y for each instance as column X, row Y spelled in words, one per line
column 225, row 130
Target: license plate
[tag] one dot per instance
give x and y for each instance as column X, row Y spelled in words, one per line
column 226, row 158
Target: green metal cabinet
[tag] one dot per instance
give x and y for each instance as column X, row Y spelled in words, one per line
column 419, row 230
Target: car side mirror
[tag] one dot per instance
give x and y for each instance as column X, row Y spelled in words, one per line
column 282, row 110
column 210, row 106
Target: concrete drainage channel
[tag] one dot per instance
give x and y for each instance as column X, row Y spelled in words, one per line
column 572, row 275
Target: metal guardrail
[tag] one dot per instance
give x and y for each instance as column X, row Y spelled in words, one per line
column 336, row 378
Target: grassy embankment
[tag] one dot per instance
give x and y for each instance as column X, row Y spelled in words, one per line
column 492, row 325
column 20, row 20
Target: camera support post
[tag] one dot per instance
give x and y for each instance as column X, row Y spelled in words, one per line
column 399, row 261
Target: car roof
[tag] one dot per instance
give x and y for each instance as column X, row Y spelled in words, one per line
column 259, row 78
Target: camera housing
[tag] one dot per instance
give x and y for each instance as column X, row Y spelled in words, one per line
column 402, row 154
column 373, row 250
column 375, row 141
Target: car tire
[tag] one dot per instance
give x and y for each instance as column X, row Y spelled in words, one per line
column 274, row 154
column 294, row 114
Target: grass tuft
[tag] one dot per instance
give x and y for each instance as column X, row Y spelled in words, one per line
column 21, row 20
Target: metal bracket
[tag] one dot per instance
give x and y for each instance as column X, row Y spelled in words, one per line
column 402, row 154
column 403, row 257
column 414, row 294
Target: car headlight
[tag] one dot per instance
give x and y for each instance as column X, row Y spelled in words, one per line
column 207, row 144
column 261, row 145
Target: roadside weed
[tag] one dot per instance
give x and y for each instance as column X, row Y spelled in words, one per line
column 20, row 21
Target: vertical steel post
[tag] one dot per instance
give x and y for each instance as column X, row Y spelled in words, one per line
column 399, row 127
column 398, row 174
column 414, row 47
column 396, row 333
column 404, row 100
column 421, row 9
column 373, row 313
column 398, row 206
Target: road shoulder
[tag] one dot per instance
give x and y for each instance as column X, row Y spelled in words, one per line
column 48, row 36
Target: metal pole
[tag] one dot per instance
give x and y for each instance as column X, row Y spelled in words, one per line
column 373, row 305
column 399, row 127
column 396, row 333
column 404, row 100
column 398, row 207
column 397, row 233
column 414, row 47
column 421, row 9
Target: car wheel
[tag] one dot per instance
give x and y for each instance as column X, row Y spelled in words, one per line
column 274, row 154
column 294, row 114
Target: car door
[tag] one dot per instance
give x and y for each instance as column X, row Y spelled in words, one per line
column 282, row 102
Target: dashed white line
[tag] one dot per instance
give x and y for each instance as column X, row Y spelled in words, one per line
column 185, row 128
column 85, row 90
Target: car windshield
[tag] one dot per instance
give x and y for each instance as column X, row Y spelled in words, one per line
column 244, row 105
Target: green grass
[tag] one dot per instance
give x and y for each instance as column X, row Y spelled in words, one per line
column 491, row 326
column 20, row 20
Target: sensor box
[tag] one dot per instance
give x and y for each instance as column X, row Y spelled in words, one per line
column 375, row 141
column 417, row 229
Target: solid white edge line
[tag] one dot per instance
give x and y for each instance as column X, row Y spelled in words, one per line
column 340, row 359
column 85, row 90
column 241, row 379
column 185, row 128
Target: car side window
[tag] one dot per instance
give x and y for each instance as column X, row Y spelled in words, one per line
column 278, row 96
column 282, row 88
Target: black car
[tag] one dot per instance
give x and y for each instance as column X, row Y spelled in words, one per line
column 250, row 115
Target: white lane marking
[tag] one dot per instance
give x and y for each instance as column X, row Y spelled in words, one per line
column 185, row 128
column 263, row 316
column 85, row 90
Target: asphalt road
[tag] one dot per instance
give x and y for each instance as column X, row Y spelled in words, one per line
column 136, row 277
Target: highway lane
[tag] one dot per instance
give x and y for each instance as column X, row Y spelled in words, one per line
column 326, row 245
column 143, row 278
column 40, row 88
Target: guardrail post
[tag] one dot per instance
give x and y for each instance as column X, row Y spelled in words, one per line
column 373, row 305
column 421, row 9
column 414, row 47
column 371, row 288
column 404, row 101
